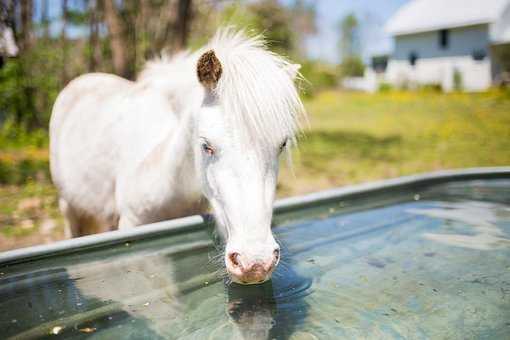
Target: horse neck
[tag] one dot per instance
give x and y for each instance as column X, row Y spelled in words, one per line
column 172, row 159
column 177, row 152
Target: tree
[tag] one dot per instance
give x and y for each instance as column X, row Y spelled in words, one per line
column 63, row 38
column 352, row 65
column 176, row 18
column 272, row 19
column 118, row 41
column 182, row 24
column 349, row 36
column 94, row 47
column 132, row 23
column 303, row 24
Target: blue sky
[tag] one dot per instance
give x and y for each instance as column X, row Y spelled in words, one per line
column 372, row 15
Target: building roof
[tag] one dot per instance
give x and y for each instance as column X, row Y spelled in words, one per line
column 428, row 15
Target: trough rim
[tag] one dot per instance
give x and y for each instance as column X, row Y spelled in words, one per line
column 197, row 222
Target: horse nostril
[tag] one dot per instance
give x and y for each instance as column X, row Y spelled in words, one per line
column 234, row 259
column 276, row 254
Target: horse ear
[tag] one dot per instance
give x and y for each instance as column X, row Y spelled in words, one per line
column 209, row 70
column 293, row 70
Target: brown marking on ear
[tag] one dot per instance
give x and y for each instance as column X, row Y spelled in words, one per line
column 209, row 70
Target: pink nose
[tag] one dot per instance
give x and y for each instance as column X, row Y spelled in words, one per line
column 246, row 271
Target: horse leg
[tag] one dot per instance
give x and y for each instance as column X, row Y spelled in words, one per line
column 72, row 222
column 79, row 224
column 127, row 221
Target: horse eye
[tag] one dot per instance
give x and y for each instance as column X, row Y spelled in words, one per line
column 284, row 144
column 207, row 149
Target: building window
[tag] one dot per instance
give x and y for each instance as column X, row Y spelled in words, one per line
column 479, row 55
column 444, row 39
column 413, row 56
column 380, row 63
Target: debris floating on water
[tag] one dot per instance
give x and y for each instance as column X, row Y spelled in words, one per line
column 88, row 330
column 56, row 330
column 416, row 197
column 376, row 263
column 146, row 304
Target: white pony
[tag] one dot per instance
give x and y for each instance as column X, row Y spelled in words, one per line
column 209, row 124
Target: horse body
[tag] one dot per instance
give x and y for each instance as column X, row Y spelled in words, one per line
column 108, row 137
column 202, row 127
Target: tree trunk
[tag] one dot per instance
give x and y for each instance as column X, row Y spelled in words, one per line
column 26, row 24
column 95, row 48
column 26, row 112
column 176, row 17
column 142, row 42
column 165, row 25
column 117, row 39
column 182, row 24
column 63, row 38
column 44, row 20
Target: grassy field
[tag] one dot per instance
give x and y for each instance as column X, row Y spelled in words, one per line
column 352, row 138
column 357, row 137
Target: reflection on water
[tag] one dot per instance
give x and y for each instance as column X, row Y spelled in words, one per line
column 252, row 309
column 481, row 217
column 438, row 267
column 271, row 310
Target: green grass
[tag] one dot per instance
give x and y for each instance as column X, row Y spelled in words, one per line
column 352, row 138
column 356, row 137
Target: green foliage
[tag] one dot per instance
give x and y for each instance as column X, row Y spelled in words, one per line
column 457, row 80
column 29, row 85
column 268, row 17
column 14, row 101
column 317, row 76
column 238, row 15
column 24, row 171
column 352, row 66
column 14, row 136
column 273, row 19
column 78, row 17
column 431, row 87
column 385, row 87
column 349, row 42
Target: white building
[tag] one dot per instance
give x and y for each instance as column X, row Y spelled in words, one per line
column 451, row 43
column 8, row 46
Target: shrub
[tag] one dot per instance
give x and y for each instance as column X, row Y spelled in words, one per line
column 23, row 171
column 457, row 80
column 317, row 76
column 385, row 87
column 432, row 87
column 352, row 67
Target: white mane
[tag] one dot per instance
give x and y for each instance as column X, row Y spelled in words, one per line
column 256, row 87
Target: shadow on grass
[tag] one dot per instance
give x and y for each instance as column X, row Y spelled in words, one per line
column 322, row 146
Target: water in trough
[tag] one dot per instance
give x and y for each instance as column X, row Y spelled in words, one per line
column 427, row 263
